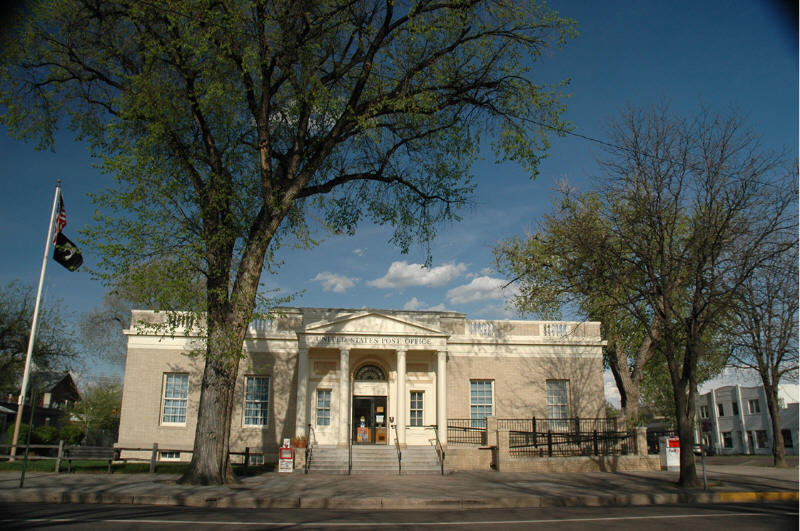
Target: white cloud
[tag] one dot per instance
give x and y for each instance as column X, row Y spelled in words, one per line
column 413, row 304
column 416, row 304
column 333, row 282
column 359, row 252
column 402, row 274
column 480, row 289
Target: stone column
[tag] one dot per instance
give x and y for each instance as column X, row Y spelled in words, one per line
column 441, row 395
column 640, row 434
column 301, row 416
column 344, row 397
column 401, row 397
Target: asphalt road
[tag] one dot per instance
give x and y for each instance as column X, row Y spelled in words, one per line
column 661, row 517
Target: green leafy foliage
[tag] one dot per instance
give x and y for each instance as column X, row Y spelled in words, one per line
column 71, row 433
column 53, row 349
column 230, row 126
column 99, row 408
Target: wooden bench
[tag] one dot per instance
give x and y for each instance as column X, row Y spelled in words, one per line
column 90, row 453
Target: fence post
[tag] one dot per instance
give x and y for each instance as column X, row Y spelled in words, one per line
column 246, row 459
column 640, row 440
column 594, row 440
column 491, row 432
column 549, row 443
column 534, row 428
column 503, row 454
column 153, row 458
column 60, row 455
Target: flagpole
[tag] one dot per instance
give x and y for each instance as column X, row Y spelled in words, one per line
column 34, row 324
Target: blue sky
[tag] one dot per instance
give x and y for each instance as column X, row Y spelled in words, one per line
column 720, row 54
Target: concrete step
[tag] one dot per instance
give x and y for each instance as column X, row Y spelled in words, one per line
column 377, row 459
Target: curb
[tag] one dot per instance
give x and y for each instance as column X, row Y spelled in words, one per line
column 395, row 503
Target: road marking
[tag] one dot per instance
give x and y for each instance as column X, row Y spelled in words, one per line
column 161, row 522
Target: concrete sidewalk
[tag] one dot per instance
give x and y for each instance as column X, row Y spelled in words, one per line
column 459, row 490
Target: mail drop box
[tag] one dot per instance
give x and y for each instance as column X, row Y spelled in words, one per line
column 670, row 450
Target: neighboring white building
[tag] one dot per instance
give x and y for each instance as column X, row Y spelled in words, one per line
column 735, row 420
column 363, row 376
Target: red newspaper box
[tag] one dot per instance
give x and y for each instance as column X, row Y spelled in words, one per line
column 285, row 459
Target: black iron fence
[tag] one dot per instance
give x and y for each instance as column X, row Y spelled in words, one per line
column 549, row 437
column 569, row 444
column 568, row 425
column 466, row 432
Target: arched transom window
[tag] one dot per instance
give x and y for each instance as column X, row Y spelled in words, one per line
column 370, row 373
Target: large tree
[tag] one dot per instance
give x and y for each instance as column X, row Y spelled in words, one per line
column 53, row 349
column 689, row 208
column 561, row 265
column 226, row 123
column 764, row 333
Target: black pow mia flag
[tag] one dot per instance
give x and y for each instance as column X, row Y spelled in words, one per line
column 67, row 253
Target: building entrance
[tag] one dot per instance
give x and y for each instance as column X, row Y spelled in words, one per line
column 369, row 420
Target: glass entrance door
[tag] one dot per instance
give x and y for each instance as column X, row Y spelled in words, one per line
column 369, row 420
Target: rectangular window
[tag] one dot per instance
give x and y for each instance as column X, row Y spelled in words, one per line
column 170, row 455
column 761, row 439
column 735, row 407
column 557, row 399
column 256, row 459
column 720, row 410
column 256, row 401
column 727, row 440
column 323, row 407
column 416, row 408
column 703, row 412
column 176, row 393
column 787, row 438
column 480, row 402
column 754, row 406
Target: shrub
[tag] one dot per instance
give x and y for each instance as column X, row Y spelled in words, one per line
column 45, row 435
column 71, row 434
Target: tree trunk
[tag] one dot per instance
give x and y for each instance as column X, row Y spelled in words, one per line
column 211, row 459
column 778, row 451
column 685, row 419
column 628, row 389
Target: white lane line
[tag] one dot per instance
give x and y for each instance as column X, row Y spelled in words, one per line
column 384, row 524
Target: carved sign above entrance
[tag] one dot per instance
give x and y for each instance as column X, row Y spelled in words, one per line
column 373, row 340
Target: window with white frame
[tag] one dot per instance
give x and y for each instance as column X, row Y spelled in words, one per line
column 557, row 399
column 323, row 407
column 761, row 439
column 176, row 394
column 720, row 410
column 735, row 408
column 256, row 401
column 754, row 406
column 481, row 400
column 170, row 455
column 415, row 419
column 703, row 412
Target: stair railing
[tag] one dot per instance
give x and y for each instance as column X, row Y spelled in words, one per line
column 439, row 447
column 350, row 447
column 399, row 453
column 312, row 439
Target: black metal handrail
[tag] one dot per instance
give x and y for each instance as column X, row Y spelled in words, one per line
column 439, row 447
column 350, row 447
column 312, row 438
column 399, row 453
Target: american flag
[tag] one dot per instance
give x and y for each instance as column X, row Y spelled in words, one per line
column 61, row 217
